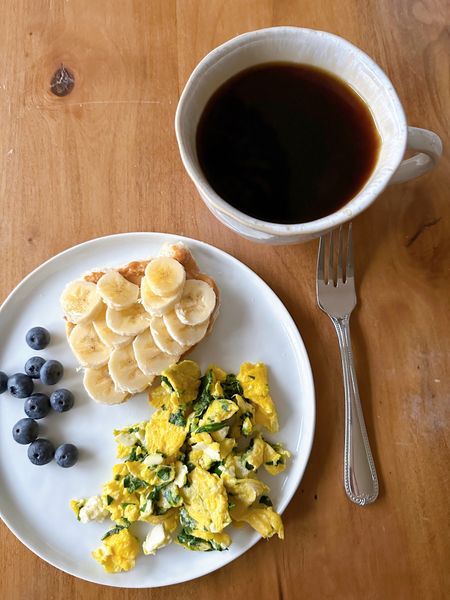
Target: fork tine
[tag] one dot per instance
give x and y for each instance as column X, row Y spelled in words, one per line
column 321, row 260
column 349, row 267
column 331, row 274
column 340, row 260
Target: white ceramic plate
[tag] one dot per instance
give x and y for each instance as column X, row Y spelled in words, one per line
column 253, row 325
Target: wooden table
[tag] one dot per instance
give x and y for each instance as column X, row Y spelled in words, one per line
column 103, row 159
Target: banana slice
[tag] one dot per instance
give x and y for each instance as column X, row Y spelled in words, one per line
column 116, row 291
column 129, row 321
column 125, row 373
column 197, row 302
column 163, row 339
column 157, row 306
column 87, row 347
column 186, row 335
column 165, row 276
column 149, row 357
column 161, row 362
column 108, row 336
column 80, row 301
column 100, row 387
column 144, row 346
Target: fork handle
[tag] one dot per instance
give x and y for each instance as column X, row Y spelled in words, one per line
column 360, row 476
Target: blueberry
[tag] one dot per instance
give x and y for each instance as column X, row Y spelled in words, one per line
column 61, row 400
column 25, row 431
column 38, row 338
column 33, row 366
column 37, row 406
column 3, row 382
column 51, row 372
column 66, row 455
column 20, row 385
column 41, row 451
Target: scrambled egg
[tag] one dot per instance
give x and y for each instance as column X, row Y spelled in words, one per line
column 182, row 381
column 128, row 438
column 255, row 385
column 89, row 509
column 217, row 412
column 246, row 490
column 162, row 436
column 157, row 537
column 118, row 552
column 190, row 471
column 265, row 520
column 206, row 500
column 160, row 397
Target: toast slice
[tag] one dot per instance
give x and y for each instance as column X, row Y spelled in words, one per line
column 134, row 272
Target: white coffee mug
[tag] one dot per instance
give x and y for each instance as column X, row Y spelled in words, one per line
column 338, row 56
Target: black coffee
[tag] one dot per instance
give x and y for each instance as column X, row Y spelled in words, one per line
column 286, row 143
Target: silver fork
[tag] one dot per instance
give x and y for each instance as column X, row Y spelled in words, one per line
column 336, row 296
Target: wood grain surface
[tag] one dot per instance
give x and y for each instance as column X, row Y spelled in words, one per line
column 104, row 159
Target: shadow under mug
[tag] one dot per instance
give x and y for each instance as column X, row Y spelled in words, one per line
column 336, row 55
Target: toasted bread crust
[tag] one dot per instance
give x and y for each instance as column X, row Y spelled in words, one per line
column 133, row 271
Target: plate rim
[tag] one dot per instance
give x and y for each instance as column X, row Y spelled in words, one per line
column 301, row 348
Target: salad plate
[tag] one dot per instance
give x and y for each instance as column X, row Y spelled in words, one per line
column 253, row 325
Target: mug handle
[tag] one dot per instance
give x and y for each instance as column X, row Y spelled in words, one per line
column 430, row 149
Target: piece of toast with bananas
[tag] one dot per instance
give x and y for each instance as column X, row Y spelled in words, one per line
column 126, row 325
